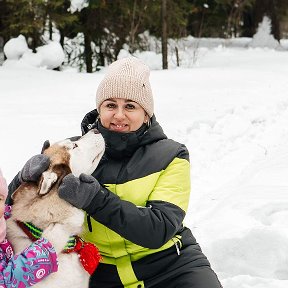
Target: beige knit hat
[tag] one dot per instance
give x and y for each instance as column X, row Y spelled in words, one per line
column 127, row 78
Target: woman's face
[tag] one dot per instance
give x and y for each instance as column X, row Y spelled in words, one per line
column 122, row 115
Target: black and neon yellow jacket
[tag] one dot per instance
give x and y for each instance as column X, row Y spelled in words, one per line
column 137, row 217
column 140, row 210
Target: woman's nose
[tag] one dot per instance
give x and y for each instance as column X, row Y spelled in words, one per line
column 119, row 114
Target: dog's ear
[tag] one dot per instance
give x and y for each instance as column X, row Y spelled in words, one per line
column 53, row 176
column 47, row 181
column 13, row 195
column 45, row 146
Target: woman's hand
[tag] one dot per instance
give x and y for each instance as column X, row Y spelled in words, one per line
column 33, row 168
column 79, row 191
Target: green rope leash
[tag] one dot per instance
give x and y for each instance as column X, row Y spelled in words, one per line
column 37, row 233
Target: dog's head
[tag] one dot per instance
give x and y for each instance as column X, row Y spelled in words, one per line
column 76, row 156
column 72, row 156
column 39, row 203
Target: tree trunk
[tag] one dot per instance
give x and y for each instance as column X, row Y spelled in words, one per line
column 101, row 56
column 164, row 35
column 50, row 29
column 177, row 56
column 248, row 29
column 88, row 53
column 62, row 37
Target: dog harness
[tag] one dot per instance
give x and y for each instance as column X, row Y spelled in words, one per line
column 88, row 253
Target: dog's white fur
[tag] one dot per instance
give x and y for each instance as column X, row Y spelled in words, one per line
column 41, row 205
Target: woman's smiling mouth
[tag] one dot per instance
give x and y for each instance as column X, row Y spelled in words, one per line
column 119, row 127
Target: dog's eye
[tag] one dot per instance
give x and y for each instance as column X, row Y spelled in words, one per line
column 75, row 145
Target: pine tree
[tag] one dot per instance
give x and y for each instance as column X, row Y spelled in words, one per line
column 58, row 16
column 25, row 17
column 33, row 17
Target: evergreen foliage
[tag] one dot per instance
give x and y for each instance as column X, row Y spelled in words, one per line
column 102, row 28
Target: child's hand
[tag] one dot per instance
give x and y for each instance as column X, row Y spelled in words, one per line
column 58, row 235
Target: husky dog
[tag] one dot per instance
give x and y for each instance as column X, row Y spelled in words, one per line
column 40, row 205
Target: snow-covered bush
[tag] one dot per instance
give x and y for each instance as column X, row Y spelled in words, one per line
column 263, row 36
column 15, row 48
column 48, row 56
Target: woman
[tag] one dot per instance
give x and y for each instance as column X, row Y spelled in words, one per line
column 137, row 197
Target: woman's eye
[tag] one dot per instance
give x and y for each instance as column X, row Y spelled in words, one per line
column 110, row 105
column 130, row 106
column 75, row 145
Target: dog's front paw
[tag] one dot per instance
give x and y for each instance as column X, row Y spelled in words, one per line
column 58, row 235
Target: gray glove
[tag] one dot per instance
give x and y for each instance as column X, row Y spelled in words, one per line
column 33, row 168
column 79, row 191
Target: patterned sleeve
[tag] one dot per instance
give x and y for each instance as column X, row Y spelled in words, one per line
column 7, row 212
column 30, row 267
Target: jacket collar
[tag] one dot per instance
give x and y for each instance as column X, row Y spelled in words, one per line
column 122, row 145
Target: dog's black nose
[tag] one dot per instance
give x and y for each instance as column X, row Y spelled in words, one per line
column 95, row 131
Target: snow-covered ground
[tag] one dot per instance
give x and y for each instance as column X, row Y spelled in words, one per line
column 231, row 110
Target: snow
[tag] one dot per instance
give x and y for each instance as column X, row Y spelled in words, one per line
column 52, row 55
column 18, row 54
column 263, row 37
column 230, row 109
column 78, row 5
column 15, row 47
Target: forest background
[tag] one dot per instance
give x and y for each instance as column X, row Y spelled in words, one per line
column 93, row 35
